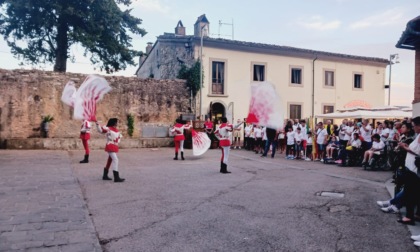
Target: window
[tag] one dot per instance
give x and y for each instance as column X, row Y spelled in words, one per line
column 259, row 72
column 295, row 111
column 328, row 109
column 296, row 76
column 329, row 78
column 218, row 77
column 357, row 81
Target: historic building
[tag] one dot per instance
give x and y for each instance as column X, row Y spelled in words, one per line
column 309, row 82
column 410, row 39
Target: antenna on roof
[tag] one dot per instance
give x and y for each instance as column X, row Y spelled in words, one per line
column 220, row 25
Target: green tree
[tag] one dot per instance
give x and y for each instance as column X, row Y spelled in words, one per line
column 42, row 31
column 192, row 76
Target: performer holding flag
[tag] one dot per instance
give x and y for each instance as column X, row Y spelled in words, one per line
column 84, row 100
column 223, row 133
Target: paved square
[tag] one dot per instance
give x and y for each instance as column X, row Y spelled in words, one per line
column 50, row 202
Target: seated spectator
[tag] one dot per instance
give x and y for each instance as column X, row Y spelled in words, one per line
column 333, row 144
column 352, row 145
column 377, row 146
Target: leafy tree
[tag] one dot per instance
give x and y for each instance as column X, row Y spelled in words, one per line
column 192, row 76
column 49, row 27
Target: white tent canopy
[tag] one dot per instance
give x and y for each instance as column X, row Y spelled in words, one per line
column 384, row 112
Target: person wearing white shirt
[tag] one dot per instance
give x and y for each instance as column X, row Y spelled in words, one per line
column 342, row 132
column 290, row 135
column 384, row 134
column 411, row 179
column 299, row 137
column 377, row 146
column 296, row 125
column 258, row 139
column 247, row 131
column 321, row 140
column 366, row 132
column 348, row 130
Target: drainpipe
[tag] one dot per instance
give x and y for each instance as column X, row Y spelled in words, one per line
column 313, row 85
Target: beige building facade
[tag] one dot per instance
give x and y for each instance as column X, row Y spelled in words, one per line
column 308, row 82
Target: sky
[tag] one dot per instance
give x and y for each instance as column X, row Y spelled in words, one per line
column 368, row 28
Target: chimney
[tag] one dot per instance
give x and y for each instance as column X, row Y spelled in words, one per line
column 149, row 47
column 202, row 25
column 180, row 29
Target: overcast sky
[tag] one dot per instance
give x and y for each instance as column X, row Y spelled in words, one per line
column 358, row 27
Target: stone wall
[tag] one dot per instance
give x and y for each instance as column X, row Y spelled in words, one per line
column 27, row 95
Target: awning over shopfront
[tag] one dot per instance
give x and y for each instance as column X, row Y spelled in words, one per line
column 385, row 112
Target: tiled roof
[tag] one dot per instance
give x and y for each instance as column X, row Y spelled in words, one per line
column 270, row 48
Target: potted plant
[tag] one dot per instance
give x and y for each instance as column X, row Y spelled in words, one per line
column 45, row 127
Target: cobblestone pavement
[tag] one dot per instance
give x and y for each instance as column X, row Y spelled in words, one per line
column 41, row 204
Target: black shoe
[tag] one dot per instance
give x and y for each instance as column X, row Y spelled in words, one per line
column 117, row 177
column 105, row 176
column 182, row 155
column 176, row 156
column 86, row 160
column 410, row 222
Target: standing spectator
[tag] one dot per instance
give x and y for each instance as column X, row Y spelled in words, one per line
column 366, row 133
column 258, row 139
column 385, row 132
column 271, row 141
column 412, row 181
column 299, row 137
column 321, row 140
column 282, row 141
column 237, row 132
column 247, row 131
column 329, row 127
column 296, row 125
column 378, row 129
column 349, row 131
column 308, row 149
column 290, row 136
column 342, row 133
column 208, row 127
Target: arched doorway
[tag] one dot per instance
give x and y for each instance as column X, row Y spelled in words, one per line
column 217, row 111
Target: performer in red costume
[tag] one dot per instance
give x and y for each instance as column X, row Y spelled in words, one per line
column 85, row 136
column 223, row 133
column 113, row 137
column 178, row 131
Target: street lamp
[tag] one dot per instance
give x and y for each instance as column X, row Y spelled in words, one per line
column 393, row 59
column 201, row 68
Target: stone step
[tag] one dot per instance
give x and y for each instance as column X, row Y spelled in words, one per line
column 76, row 143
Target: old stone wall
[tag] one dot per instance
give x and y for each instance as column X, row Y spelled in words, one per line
column 27, row 95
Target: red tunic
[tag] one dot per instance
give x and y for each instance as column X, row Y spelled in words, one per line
column 113, row 137
column 85, row 130
column 223, row 134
